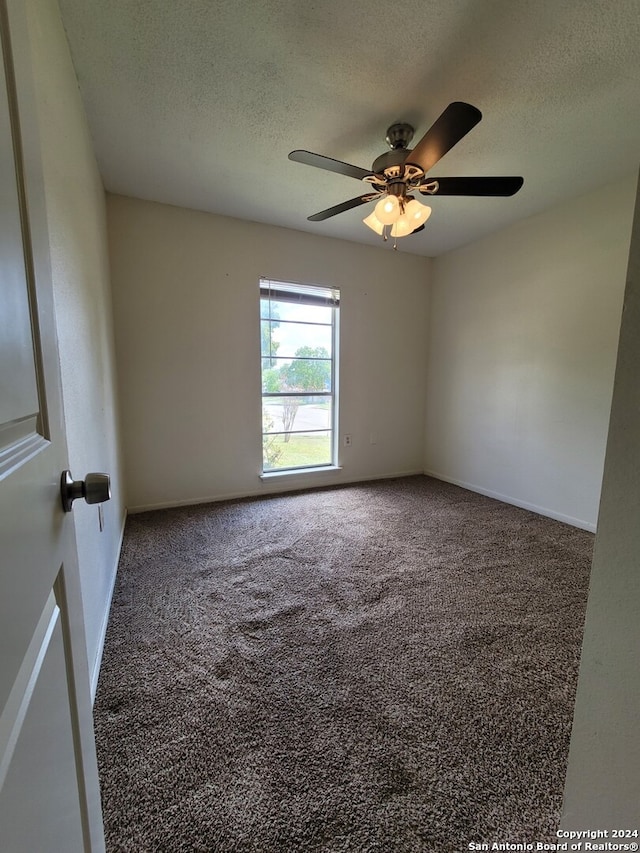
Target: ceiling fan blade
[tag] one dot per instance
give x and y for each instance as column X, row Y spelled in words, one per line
column 340, row 208
column 454, row 123
column 311, row 159
column 498, row 186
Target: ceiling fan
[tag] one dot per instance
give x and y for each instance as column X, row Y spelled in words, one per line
column 398, row 173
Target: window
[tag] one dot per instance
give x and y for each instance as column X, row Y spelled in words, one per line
column 299, row 401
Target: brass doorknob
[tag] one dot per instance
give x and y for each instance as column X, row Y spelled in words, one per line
column 95, row 489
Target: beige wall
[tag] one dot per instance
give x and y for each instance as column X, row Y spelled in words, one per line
column 77, row 228
column 603, row 778
column 522, row 345
column 185, row 288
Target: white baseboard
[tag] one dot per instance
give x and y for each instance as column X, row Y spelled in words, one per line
column 273, row 487
column 95, row 673
column 540, row 510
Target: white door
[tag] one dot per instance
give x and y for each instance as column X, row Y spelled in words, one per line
column 49, row 796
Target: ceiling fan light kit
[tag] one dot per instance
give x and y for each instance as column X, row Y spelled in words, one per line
column 395, row 175
column 404, row 214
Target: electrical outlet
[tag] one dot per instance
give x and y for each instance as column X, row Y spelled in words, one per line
column 347, row 440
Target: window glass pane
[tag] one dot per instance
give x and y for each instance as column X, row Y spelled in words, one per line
column 269, row 345
column 305, row 374
column 280, row 375
column 272, row 378
column 286, row 414
column 300, row 339
column 301, row 449
column 271, row 308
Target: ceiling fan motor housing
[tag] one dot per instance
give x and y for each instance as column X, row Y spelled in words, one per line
column 393, row 160
column 390, row 163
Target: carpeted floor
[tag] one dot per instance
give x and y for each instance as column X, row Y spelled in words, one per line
column 380, row 668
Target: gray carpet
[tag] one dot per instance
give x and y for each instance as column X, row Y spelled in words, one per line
column 382, row 668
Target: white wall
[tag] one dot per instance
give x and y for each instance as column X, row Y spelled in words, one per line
column 522, row 344
column 603, row 777
column 185, row 288
column 79, row 257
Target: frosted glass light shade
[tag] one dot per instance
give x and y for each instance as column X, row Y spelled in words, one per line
column 374, row 223
column 402, row 227
column 387, row 209
column 416, row 213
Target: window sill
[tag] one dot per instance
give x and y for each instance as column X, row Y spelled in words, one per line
column 299, row 472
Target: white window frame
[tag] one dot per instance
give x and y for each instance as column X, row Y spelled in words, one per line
column 305, row 294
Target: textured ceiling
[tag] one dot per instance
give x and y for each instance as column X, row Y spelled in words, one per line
column 198, row 103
